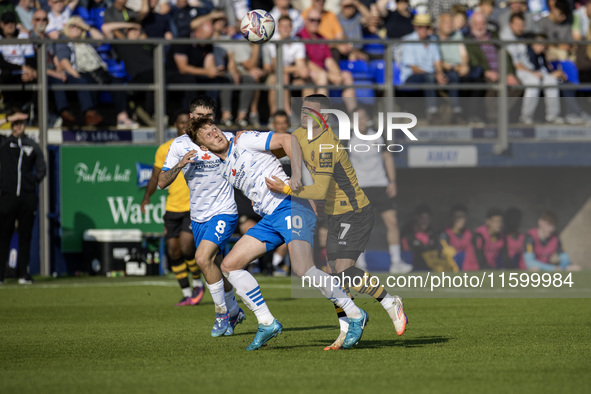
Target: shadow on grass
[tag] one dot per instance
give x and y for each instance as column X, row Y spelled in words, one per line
column 285, row 330
column 406, row 343
column 377, row 344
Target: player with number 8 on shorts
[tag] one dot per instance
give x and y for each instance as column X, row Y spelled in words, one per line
column 213, row 214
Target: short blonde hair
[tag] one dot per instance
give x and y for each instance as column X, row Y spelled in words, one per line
column 78, row 21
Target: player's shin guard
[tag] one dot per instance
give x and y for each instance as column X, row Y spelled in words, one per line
column 249, row 290
column 324, row 283
column 180, row 273
column 364, row 283
column 217, row 294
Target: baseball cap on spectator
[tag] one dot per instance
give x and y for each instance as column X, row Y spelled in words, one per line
column 8, row 17
column 422, row 20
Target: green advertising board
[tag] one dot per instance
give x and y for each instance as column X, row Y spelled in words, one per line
column 102, row 187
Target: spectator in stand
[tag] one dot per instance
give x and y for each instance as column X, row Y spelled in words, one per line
column 59, row 15
column 484, row 66
column 6, row 6
column 459, row 18
column 83, row 59
column 284, row 8
column 574, row 114
column 353, row 16
column 54, row 76
column 139, row 63
column 157, row 23
column 295, row 66
column 456, row 241
column 502, row 18
column 190, row 64
column 118, row 12
column 487, row 7
column 454, row 57
column 398, row 22
column 421, row 63
column 489, row 242
column 421, row 247
column 243, row 67
column 558, row 26
column 583, row 54
column 543, row 250
column 330, row 29
column 322, row 64
column 514, row 238
column 527, row 74
column 24, row 10
column 183, row 14
column 438, row 7
column 17, row 63
column 68, row 59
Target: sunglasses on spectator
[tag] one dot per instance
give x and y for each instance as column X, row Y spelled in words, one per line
column 313, row 20
column 71, row 26
column 40, row 19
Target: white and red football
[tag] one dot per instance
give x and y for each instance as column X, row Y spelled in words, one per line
column 257, row 26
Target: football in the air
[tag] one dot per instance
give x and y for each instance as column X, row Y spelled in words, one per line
column 257, row 26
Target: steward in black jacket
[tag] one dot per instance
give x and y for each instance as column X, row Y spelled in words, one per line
column 22, row 167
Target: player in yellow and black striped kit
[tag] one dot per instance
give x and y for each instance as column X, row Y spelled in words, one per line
column 349, row 212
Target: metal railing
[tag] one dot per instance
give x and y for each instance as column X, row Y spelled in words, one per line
column 159, row 87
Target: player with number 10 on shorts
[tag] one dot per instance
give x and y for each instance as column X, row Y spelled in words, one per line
column 246, row 165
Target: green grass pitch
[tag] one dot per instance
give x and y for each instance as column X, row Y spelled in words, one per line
column 124, row 335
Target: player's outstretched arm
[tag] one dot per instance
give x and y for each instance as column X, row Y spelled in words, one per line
column 167, row 177
column 150, row 188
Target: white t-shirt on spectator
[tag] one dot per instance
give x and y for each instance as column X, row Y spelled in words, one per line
column 518, row 52
column 16, row 54
column 58, row 22
column 291, row 52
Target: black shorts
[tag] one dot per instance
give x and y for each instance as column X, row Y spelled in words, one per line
column 175, row 222
column 379, row 199
column 349, row 233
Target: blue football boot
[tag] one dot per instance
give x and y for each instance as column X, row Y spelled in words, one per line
column 264, row 333
column 220, row 325
column 355, row 331
column 235, row 320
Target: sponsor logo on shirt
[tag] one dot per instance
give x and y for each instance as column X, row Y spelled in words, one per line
column 325, row 160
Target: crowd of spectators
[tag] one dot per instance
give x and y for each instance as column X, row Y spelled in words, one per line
column 462, row 59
